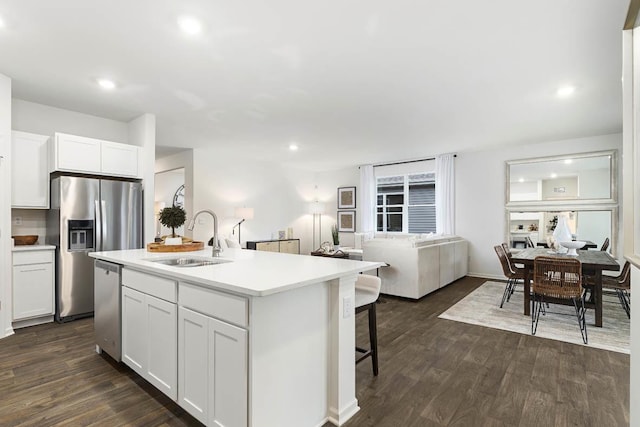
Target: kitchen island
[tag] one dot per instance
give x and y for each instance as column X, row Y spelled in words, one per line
column 259, row 339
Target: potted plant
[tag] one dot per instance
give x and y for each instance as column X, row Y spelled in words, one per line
column 335, row 235
column 173, row 218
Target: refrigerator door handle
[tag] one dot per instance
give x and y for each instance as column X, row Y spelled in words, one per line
column 103, row 224
column 98, row 226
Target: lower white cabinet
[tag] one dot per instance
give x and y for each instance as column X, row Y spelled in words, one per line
column 33, row 284
column 212, row 369
column 149, row 339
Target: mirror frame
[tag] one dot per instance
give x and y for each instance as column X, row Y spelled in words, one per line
column 574, row 203
column 615, row 226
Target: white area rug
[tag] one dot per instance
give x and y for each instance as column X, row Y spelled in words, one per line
column 482, row 307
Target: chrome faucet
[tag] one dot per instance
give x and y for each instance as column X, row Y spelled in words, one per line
column 217, row 250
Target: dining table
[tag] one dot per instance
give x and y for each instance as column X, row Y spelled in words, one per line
column 588, row 244
column 593, row 264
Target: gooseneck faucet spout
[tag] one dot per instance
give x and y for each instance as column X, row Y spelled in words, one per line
column 217, row 250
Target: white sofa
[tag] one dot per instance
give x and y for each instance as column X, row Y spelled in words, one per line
column 418, row 264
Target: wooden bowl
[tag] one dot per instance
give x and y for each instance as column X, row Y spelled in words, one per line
column 25, row 240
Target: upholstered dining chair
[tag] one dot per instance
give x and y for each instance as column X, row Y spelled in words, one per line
column 557, row 278
column 511, row 272
column 367, row 293
column 621, row 284
column 605, row 245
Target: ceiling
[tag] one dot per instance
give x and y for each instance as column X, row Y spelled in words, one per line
column 349, row 82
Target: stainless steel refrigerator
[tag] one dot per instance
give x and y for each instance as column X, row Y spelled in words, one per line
column 88, row 215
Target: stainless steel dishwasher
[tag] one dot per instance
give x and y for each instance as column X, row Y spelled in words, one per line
column 107, row 316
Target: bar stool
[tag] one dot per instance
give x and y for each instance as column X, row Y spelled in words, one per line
column 366, row 295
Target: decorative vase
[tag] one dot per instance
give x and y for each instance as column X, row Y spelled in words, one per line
column 562, row 233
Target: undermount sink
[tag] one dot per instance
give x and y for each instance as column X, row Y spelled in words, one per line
column 188, row 262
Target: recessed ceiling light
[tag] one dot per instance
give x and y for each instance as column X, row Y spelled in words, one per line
column 521, row 180
column 293, row 147
column 106, row 84
column 554, row 175
column 189, row 25
column 565, row 91
column 568, row 161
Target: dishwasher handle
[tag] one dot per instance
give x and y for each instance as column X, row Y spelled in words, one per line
column 108, row 266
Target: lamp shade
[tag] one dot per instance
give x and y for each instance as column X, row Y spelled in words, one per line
column 158, row 206
column 316, row 207
column 244, row 213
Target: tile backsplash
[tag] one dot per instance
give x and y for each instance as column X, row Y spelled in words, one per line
column 33, row 221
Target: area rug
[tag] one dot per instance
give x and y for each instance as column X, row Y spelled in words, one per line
column 482, row 307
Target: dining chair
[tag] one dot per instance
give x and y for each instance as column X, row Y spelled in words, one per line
column 605, row 245
column 511, row 272
column 529, row 242
column 621, row 284
column 366, row 294
column 507, row 249
column 557, row 279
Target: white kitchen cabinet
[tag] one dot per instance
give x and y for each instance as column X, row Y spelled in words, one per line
column 29, row 171
column 33, row 284
column 119, row 159
column 71, row 153
column 212, row 368
column 213, row 355
column 149, row 332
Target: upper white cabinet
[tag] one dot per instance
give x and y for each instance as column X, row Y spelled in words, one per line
column 72, row 153
column 119, row 159
column 29, row 171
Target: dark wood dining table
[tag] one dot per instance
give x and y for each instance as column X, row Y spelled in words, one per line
column 593, row 264
column 588, row 244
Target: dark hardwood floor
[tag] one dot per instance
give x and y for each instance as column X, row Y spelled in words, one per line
column 433, row 372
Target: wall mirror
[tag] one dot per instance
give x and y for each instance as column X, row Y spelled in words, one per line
column 585, row 224
column 585, row 179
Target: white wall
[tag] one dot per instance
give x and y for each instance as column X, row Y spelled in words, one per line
column 141, row 132
column 480, row 193
column 166, row 184
column 279, row 197
column 34, row 222
column 5, row 206
column 45, row 120
column 181, row 160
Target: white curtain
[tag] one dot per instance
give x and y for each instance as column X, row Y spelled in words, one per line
column 367, row 200
column 445, row 194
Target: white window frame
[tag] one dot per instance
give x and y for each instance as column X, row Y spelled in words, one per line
column 405, row 206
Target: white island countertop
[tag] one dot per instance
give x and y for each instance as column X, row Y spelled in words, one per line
column 249, row 272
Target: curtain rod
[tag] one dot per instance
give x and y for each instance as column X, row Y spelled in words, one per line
column 405, row 162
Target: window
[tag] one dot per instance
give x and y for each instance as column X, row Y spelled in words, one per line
column 406, row 203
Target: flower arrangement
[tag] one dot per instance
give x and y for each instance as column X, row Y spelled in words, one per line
column 335, row 235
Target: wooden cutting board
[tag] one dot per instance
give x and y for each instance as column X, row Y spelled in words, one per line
column 185, row 247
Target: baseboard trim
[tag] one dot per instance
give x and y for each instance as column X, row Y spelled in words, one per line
column 486, row 276
column 32, row 322
column 345, row 415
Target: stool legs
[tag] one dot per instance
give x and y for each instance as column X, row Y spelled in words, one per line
column 373, row 337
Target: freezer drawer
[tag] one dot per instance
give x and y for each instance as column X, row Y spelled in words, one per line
column 107, row 318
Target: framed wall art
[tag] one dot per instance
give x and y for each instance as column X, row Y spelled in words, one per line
column 347, row 221
column 346, row 197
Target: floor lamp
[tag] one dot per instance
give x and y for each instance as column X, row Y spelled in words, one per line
column 244, row 213
column 317, row 209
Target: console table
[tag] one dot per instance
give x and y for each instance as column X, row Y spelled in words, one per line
column 288, row 246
